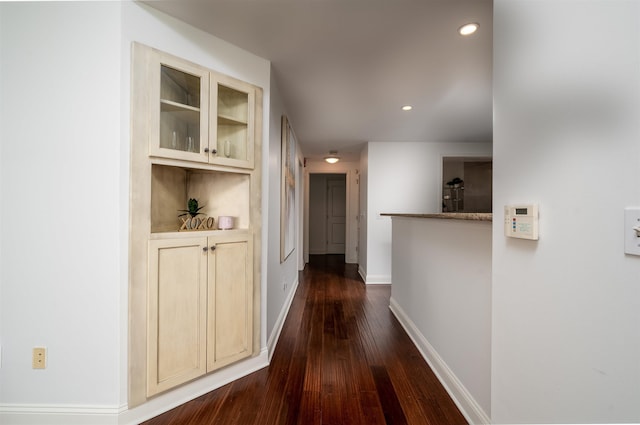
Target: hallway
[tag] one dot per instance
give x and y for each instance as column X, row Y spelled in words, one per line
column 342, row 358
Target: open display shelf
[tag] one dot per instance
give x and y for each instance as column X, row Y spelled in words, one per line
column 219, row 193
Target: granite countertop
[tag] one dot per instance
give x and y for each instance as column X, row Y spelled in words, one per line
column 449, row 216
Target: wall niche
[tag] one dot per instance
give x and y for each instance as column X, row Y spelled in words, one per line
column 467, row 184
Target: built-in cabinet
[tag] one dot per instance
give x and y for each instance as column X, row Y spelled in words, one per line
column 194, row 288
column 200, row 115
column 200, row 306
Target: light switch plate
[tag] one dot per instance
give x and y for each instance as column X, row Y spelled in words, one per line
column 631, row 238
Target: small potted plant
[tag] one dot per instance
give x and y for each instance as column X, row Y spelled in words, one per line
column 192, row 221
column 455, row 182
column 192, row 208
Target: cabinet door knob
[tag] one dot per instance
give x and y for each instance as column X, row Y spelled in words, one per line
column 213, row 247
column 205, row 249
column 206, row 150
column 214, row 151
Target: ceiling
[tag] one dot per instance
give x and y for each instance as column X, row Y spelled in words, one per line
column 346, row 67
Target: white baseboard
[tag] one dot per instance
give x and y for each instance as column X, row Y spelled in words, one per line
column 188, row 392
column 374, row 279
column 471, row 410
column 277, row 328
column 362, row 273
column 28, row 414
column 121, row 415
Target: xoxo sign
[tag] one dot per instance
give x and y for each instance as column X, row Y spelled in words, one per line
column 197, row 223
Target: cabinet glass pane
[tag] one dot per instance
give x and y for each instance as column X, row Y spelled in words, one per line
column 233, row 113
column 179, row 110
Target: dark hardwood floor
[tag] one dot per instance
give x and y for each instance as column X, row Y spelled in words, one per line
column 342, row 358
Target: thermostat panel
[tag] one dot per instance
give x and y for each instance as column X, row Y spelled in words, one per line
column 521, row 221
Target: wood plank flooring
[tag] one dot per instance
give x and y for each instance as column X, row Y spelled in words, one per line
column 342, row 359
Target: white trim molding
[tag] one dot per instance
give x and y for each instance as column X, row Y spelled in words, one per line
column 372, row 279
column 188, row 392
column 32, row 414
column 471, row 410
column 277, row 328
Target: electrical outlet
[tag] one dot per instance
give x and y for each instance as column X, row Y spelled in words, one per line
column 39, row 358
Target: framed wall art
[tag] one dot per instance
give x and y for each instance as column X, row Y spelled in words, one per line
column 287, row 191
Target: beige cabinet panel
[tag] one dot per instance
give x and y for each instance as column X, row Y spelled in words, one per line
column 230, row 316
column 177, row 312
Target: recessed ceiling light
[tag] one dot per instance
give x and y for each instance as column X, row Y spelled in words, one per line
column 468, row 29
column 407, row 107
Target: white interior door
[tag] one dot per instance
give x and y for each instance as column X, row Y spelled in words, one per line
column 336, row 216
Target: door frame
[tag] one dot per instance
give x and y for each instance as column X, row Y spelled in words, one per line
column 301, row 194
column 351, row 241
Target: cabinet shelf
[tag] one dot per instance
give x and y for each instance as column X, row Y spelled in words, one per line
column 229, row 120
column 173, row 234
column 170, row 106
column 183, row 113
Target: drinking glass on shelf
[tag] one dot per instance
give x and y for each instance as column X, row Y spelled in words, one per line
column 227, row 148
column 174, row 140
column 189, row 143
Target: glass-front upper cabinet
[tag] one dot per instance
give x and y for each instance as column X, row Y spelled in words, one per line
column 199, row 115
column 180, row 109
column 231, row 130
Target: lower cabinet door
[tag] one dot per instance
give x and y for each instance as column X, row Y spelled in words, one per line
column 230, row 312
column 176, row 312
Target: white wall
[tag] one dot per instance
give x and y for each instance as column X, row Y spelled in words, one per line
column 566, row 309
column 403, row 177
column 64, row 175
column 441, row 293
column 282, row 278
column 61, row 264
column 363, row 198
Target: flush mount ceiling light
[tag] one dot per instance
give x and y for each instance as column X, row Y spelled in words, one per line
column 468, row 29
column 332, row 158
column 407, row 107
